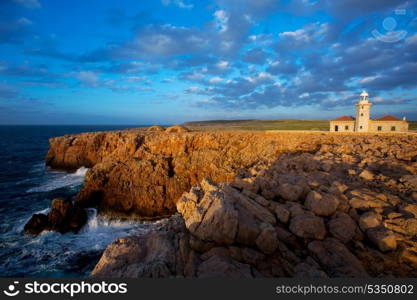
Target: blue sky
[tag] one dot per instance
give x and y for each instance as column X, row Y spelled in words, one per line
column 171, row 61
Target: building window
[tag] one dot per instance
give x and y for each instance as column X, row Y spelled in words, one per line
column 336, row 128
column 379, row 128
column 392, row 128
column 360, row 127
column 346, row 127
column 362, row 115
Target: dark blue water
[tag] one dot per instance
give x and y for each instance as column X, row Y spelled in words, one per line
column 27, row 187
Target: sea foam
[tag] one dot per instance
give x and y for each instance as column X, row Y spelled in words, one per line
column 61, row 180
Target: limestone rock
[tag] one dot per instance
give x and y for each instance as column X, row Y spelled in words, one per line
column 383, row 238
column 36, row 224
column 267, row 240
column 321, row 204
column 369, row 220
column 336, row 259
column 411, row 208
column 411, row 227
column 154, row 254
column 343, row 228
column 210, row 215
column 229, row 227
column 64, row 216
column 177, row 129
column 290, row 192
column 283, row 214
column 309, row 227
column 366, row 204
column 367, row 175
column 156, row 128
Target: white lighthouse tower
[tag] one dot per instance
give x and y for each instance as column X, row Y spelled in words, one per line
column 363, row 113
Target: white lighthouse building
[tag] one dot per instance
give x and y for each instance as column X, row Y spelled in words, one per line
column 363, row 113
column 363, row 122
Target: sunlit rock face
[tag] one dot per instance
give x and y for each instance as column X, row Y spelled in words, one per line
column 252, row 204
column 143, row 173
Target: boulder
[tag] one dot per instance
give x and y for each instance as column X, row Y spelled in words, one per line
column 209, row 213
column 64, row 216
column 158, row 253
column 343, row 228
column 363, row 204
column 410, row 227
column 383, row 238
column 282, row 213
column 369, row 220
column 36, row 224
column 248, row 227
column 260, row 213
column 336, row 259
column 267, row 240
column 156, row 128
column 321, row 204
column 177, row 129
column 309, row 227
column 411, row 208
column 290, row 192
column 367, row 175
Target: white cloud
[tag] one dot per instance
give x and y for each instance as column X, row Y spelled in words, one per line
column 222, row 64
column 221, row 20
column 369, row 79
column 310, row 32
column 193, row 89
column 262, row 77
column 215, row 80
column 178, row 3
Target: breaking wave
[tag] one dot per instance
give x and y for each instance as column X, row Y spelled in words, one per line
column 61, row 180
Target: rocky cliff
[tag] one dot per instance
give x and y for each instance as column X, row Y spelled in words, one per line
column 252, row 204
column 145, row 173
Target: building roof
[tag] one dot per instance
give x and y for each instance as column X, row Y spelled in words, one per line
column 388, row 118
column 345, row 118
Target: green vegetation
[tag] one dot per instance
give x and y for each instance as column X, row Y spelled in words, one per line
column 259, row 125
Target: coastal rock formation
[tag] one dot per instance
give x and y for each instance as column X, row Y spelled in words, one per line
column 177, row 129
column 151, row 170
column 253, row 204
column 64, row 216
column 156, row 128
column 232, row 230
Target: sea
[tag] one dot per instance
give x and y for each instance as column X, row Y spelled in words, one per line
column 27, row 186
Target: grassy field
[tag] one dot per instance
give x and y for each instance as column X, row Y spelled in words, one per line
column 260, row 125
